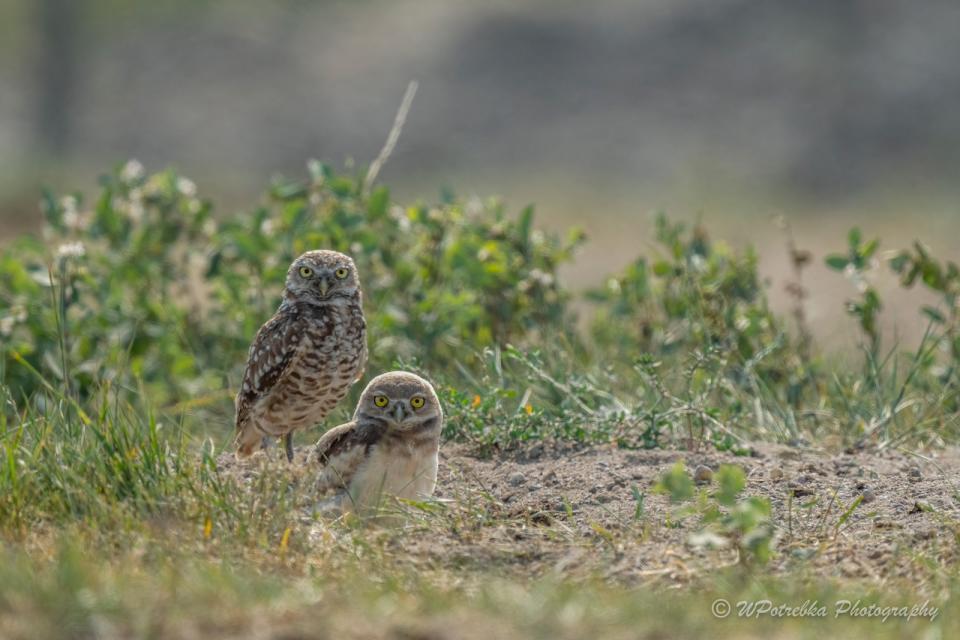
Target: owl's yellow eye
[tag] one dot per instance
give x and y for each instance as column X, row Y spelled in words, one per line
column 416, row 402
column 306, row 272
column 380, row 401
column 341, row 273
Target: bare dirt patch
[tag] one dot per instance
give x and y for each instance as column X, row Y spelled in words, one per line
column 571, row 511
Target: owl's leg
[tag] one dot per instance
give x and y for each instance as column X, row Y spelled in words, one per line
column 288, row 446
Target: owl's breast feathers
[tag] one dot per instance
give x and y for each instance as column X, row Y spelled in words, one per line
column 299, row 341
column 369, row 460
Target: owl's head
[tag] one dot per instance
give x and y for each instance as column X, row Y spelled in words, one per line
column 322, row 277
column 402, row 400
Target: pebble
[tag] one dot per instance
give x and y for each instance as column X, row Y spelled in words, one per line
column 703, row 474
column 516, row 479
column 869, row 495
column 914, row 473
column 776, row 474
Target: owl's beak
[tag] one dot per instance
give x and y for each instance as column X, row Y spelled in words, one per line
column 399, row 413
column 324, row 286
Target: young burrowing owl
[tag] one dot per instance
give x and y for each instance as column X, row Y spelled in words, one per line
column 305, row 358
column 389, row 448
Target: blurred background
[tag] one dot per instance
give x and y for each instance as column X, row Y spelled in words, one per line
column 832, row 113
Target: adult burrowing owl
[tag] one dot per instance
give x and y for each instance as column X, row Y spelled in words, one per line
column 305, row 358
column 389, row 448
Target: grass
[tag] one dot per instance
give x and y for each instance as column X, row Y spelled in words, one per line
column 123, row 531
column 125, row 330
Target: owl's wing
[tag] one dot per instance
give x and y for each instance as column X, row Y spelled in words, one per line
column 274, row 350
column 351, row 435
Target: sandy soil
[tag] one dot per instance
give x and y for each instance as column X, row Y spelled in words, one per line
column 567, row 510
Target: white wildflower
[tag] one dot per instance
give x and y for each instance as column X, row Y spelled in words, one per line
column 6, row 325
column 131, row 171
column 266, row 227
column 71, row 250
column 186, row 187
column 315, row 169
column 474, row 206
column 68, row 204
column 400, row 215
column 135, row 210
column 544, row 278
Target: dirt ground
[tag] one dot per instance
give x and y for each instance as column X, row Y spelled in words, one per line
column 569, row 511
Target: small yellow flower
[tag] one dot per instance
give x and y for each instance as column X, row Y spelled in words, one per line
column 476, row 401
column 207, row 528
column 528, row 408
column 285, row 539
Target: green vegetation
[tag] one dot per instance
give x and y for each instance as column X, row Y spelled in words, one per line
column 124, row 332
column 145, row 293
column 724, row 518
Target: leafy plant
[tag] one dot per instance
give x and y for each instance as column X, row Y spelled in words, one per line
column 725, row 517
column 148, row 287
column 856, row 264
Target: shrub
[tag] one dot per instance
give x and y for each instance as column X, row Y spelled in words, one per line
column 150, row 283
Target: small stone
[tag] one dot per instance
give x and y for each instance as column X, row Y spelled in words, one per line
column 516, row 479
column 534, row 487
column 919, row 507
column 914, row 473
column 536, row 451
column 776, row 474
column 876, row 554
column 703, row 475
column 869, row 495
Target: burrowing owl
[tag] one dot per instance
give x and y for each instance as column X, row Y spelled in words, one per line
column 305, row 358
column 389, row 448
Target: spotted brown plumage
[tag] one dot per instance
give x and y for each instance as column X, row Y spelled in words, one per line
column 390, row 447
column 303, row 360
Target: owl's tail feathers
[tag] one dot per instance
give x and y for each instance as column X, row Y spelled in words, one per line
column 248, row 440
